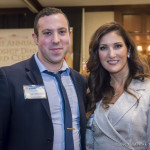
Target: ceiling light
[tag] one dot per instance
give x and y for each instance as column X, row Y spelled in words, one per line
column 139, row 48
column 148, row 48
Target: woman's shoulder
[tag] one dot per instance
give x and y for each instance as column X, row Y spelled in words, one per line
column 141, row 84
column 142, row 87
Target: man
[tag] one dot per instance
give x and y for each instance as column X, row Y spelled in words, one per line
column 32, row 107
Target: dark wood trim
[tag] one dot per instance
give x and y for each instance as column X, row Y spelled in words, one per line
column 119, row 11
column 98, row 8
column 129, row 8
column 9, row 11
column 115, row 8
column 70, row 9
column 88, row 8
column 132, row 8
column 36, row 4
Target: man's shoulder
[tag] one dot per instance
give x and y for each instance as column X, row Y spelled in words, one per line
column 76, row 73
column 78, row 76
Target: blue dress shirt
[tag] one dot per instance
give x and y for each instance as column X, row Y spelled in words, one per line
column 56, row 105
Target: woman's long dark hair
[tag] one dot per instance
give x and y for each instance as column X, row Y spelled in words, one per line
column 99, row 78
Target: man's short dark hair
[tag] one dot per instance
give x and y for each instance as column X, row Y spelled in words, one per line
column 47, row 12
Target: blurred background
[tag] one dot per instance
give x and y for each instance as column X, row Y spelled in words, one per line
column 85, row 16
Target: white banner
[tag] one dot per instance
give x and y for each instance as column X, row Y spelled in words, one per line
column 16, row 45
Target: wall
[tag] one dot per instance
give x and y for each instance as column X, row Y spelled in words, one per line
column 92, row 21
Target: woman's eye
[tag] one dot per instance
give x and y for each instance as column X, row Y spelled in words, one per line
column 118, row 45
column 102, row 48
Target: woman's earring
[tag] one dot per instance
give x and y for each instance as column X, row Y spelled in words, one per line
column 129, row 53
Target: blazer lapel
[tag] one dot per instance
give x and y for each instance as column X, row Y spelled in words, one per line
column 34, row 75
column 125, row 103
column 106, row 127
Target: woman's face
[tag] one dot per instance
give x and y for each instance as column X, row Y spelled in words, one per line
column 113, row 53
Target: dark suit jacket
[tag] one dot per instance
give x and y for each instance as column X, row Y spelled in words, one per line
column 27, row 124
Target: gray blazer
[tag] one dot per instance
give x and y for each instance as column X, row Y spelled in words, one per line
column 126, row 126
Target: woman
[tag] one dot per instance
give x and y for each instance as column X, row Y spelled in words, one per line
column 119, row 93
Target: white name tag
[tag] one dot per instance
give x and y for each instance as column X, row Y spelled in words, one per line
column 34, row 92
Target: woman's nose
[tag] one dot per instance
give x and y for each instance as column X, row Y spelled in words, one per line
column 112, row 53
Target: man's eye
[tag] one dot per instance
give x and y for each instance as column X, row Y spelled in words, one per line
column 62, row 31
column 47, row 33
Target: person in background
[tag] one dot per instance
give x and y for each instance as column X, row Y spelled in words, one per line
column 119, row 92
column 37, row 94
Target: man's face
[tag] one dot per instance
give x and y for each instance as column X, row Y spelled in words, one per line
column 53, row 40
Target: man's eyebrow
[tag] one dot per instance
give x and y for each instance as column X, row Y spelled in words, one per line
column 62, row 28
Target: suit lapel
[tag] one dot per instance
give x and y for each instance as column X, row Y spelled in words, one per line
column 78, row 89
column 33, row 72
column 34, row 75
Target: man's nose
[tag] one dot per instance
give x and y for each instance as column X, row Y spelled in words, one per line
column 55, row 38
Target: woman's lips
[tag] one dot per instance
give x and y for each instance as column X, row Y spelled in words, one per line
column 113, row 62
